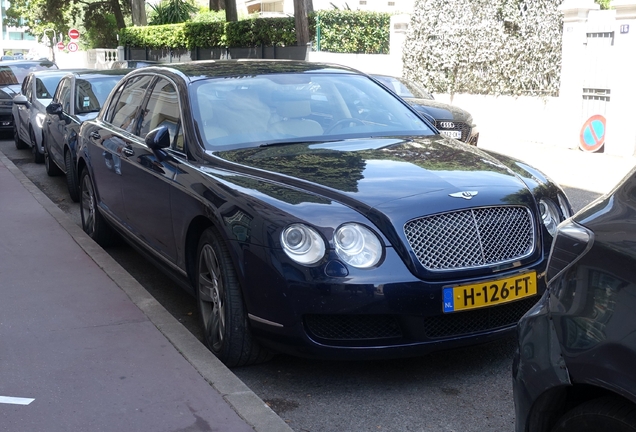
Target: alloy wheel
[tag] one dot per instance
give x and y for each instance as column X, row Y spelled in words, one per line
column 212, row 297
column 88, row 205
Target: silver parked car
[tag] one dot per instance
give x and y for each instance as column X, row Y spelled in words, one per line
column 29, row 109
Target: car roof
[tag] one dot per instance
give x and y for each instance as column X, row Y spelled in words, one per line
column 219, row 68
column 55, row 72
column 93, row 73
column 27, row 62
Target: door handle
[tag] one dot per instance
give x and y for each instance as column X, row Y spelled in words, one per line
column 95, row 135
column 128, row 151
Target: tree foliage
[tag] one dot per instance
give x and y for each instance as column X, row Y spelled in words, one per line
column 97, row 20
column 171, row 12
column 485, row 46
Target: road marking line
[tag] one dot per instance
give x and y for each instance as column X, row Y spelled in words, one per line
column 15, row 400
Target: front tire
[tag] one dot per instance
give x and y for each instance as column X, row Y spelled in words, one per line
column 221, row 310
column 93, row 223
column 606, row 414
column 71, row 177
column 19, row 144
column 38, row 157
column 51, row 168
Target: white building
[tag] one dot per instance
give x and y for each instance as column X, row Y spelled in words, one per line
column 14, row 39
column 274, row 8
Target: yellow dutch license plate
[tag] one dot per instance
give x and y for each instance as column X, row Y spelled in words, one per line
column 490, row 293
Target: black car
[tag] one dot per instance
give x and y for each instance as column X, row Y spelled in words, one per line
column 12, row 74
column 450, row 120
column 312, row 211
column 78, row 97
column 575, row 367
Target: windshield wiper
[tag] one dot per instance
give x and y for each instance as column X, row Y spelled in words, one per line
column 297, row 141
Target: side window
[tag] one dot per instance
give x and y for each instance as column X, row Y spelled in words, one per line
column 126, row 109
column 26, row 87
column 113, row 104
column 63, row 95
column 163, row 110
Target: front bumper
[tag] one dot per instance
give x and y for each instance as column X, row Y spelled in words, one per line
column 538, row 370
column 6, row 115
column 377, row 313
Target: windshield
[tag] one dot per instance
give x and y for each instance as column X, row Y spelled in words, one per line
column 91, row 95
column 15, row 74
column 237, row 112
column 45, row 86
column 404, row 88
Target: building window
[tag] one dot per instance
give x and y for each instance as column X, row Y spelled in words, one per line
column 363, row 2
column 391, row 3
column 16, row 35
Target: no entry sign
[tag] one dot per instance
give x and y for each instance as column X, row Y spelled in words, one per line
column 592, row 135
column 61, row 46
column 73, row 33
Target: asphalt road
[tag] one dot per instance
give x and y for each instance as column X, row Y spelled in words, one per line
column 462, row 391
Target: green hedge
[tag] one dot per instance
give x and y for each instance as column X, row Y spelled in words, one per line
column 344, row 31
column 341, row 31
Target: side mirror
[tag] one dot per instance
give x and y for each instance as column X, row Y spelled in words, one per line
column 158, row 138
column 20, row 100
column 54, row 108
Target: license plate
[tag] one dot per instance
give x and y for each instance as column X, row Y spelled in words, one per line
column 484, row 294
column 452, row 134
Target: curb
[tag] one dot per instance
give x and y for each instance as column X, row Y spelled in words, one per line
column 244, row 401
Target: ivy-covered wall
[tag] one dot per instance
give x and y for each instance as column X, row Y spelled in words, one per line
column 510, row 47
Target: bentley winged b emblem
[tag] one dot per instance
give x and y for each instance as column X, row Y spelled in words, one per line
column 464, row 194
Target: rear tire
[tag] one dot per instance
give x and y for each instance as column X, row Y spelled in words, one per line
column 51, row 169
column 93, row 223
column 220, row 303
column 606, row 414
column 38, row 157
column 19, row 144
column 71, row 177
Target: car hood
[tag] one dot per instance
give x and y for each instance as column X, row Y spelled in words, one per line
column 8, row 91
column 385, row 173
column 439, row 110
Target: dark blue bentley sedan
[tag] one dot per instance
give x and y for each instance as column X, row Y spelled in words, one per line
column 311, row 211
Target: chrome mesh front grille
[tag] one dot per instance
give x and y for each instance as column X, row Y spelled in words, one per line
column 472, row 238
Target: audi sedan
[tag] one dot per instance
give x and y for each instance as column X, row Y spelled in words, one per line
column 450, row 120
column 78, row 97
column 311, row 211
column 574, row 370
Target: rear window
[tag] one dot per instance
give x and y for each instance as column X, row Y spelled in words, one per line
column 15, row 73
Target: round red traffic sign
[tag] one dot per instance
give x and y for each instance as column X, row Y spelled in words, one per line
column 61, row 46
column 72, row 47
column 592, row 135
column 73, row 33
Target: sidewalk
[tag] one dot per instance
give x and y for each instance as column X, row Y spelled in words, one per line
column 596, row 172
column 83, row 347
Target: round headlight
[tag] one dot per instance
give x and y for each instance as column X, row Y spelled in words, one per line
column 549, row 215
column 302, row 244
column 565, row 209
column 357, row 246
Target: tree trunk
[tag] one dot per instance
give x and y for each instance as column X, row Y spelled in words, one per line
column 119, row 16
column 216, row 5
column 138, row 8
column 230, row 11
column 309, row 6
column 302, row 26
